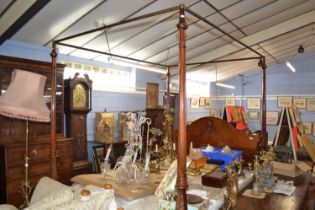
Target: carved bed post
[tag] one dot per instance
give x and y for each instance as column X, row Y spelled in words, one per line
column 167, row 107
column 181, row 184
column 54, row 173
column 263, row 107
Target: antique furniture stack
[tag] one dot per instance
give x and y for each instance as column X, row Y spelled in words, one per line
column 12, row 136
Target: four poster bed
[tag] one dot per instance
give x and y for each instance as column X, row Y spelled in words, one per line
column 181, row 184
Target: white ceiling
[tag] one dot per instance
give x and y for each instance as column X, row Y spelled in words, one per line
column 275, row 28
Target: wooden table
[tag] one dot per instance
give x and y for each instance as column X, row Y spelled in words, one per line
column 274, row 201
column 129, row 191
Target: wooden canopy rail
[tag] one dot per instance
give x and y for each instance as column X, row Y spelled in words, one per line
column 181, row 184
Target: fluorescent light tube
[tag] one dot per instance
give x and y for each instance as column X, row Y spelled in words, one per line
column 290, row 66
column 225, row 85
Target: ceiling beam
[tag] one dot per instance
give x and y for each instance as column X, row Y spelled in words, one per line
column 18, row 15
column 258, row 37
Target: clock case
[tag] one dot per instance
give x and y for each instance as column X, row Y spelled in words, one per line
column 76, row 122
column 69, row 87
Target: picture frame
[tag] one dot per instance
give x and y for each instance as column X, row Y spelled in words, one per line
column 253, row 103
column 292, row 116
column 208, row 102
column 194, row 102
column 310, row 104
column 253, row 115
column 283, row 101
column 213, row 112
column 272, row 118
column 297, row 115
column 299, row 103
column 152, row 95
column 202, row 101
column 230, row 101
column 307, row 127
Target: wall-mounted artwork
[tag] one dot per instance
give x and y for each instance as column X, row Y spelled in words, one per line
column 307, row 126
column 272, row 118
column 284, row 101
column 230, row 101
column 194, row 102
column 213, row 112
column 202, row 102
column 253, row 103
column 208, row 102
column 300, row 103
column 253, row 115
column 310, row 105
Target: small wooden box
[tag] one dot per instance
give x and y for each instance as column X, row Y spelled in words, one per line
column 199, row 163
column 214, row 179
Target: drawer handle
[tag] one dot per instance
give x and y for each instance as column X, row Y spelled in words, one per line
column 34, row 151
column 57, row 153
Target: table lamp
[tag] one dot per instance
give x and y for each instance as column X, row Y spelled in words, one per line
column 24, row 99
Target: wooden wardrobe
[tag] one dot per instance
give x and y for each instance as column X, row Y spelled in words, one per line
column 12, row 136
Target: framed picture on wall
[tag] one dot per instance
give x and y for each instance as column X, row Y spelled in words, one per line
column 310, row 104
column 272, row 118
column 208, row 102
column 253, row 103
column 313, row 128
column 213, row 112
column 194, row 102
column 230, row 101
column 284, row 101
column 253, row 115
column 307, row 127
column 300, row 103
column 202, row 101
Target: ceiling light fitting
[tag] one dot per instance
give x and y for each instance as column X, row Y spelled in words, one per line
column 225, row 85
column 301, row 49
column 289, row 65
column 219, row 83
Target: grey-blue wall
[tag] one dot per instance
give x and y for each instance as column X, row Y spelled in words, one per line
column 280, row 81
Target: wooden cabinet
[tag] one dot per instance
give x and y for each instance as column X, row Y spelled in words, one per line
column 64, row 160
column 157, row 117
column 12, row 135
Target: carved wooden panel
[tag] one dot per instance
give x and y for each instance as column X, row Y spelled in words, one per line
column 78, row 133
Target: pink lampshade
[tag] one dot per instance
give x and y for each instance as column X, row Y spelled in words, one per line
column 24, row 98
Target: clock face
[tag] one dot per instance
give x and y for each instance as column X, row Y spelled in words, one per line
column 79, row 96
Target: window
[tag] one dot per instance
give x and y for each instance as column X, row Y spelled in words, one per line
column 104, row 78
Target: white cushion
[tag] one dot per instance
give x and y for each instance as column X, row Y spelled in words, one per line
column 59, row 197
column 46, row 187
column 7, row 207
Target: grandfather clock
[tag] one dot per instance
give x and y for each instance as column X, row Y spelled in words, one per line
column 77, row 106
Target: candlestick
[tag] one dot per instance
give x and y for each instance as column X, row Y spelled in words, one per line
column 108, row 152
column 147, row 161
column 135, row 157
column 191, row 145
column 174, row 147
column 156, row 148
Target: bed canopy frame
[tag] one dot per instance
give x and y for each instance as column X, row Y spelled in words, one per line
column 181, row 184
